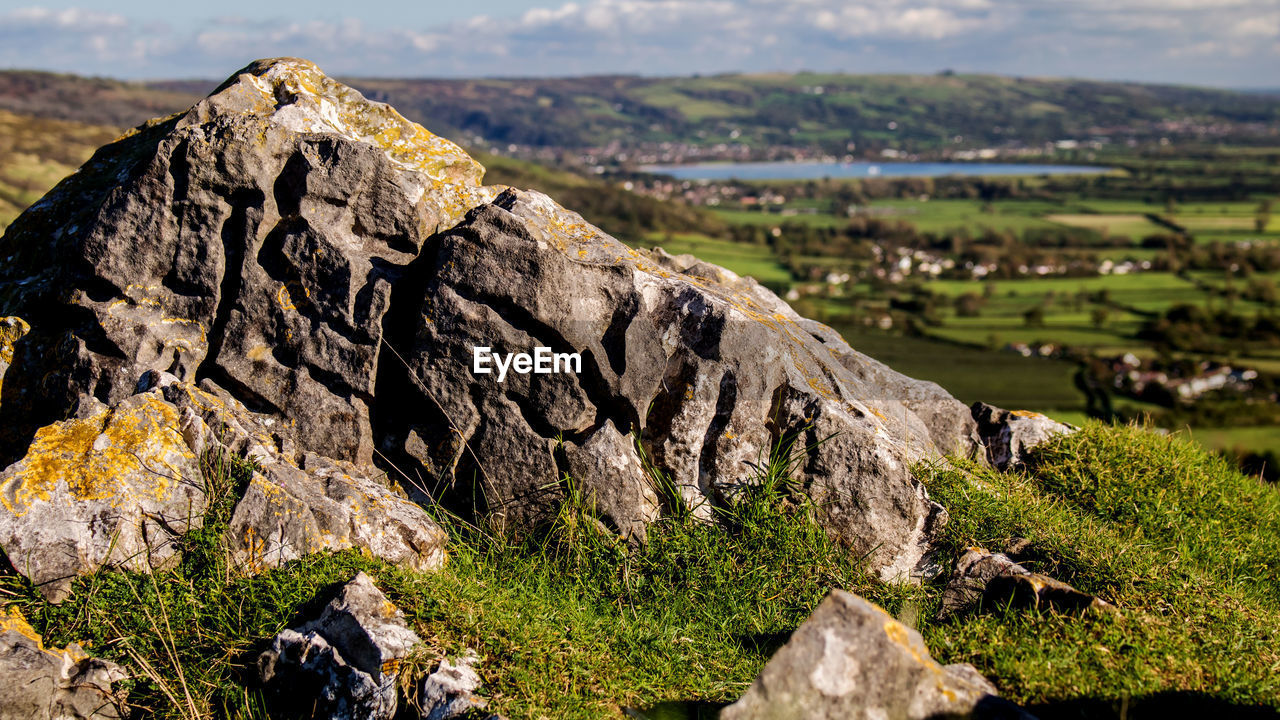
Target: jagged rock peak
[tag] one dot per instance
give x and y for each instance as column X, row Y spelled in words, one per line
column 295, row 94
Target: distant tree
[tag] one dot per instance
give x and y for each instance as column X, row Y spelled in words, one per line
column 968, row 305
column 1034, row 317
column 1262, row 216
column 1099, row 316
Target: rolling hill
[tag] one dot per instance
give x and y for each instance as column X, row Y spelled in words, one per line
column 822, row 112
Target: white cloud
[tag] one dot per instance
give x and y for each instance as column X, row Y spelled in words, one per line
column 1177, row 40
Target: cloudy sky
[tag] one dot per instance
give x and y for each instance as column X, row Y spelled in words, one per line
column 1232, row 43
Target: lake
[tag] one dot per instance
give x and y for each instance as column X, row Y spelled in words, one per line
column 819, row 170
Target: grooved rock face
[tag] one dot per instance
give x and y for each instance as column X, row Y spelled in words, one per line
column 321, row 260
column 710, row 370
column 252, row 240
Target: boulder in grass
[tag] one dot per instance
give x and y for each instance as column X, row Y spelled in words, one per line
column 851, row 659
column 345, row 664
column 1009, row 435
column 113, row 487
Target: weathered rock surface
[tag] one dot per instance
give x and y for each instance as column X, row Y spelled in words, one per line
column 51, row 683
column 851, row 659
column 333, row 266
column 710, row 369
column 118, row 487
column 1010, row 434
column 109, row 488
column 996, row 580
column 344, row 664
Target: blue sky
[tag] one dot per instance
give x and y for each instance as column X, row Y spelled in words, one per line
column 1232, row 43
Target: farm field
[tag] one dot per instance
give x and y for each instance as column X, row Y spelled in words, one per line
column 755, row 260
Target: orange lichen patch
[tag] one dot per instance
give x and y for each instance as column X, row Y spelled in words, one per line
column 290, row 85
column 92, row 456
column 900, row 636
column 284, row 299
column 11, row 620
column 12, row 329
column 1025, row 414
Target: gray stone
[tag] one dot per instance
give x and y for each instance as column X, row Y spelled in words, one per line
column 344, row 664
column 973, row 571
column 851, row 659
column 298, row 503
column 109, row 488
column 1010, row 434
column 51, row 683
column 252, row 239
column 612, row 478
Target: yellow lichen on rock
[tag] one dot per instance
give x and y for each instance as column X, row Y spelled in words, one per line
column 11, row 620
column 88, row 456
column 12, row 329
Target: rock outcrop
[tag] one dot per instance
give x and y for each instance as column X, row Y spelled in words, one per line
column 326, row 264
column 343, row 665
column 851, row 659
column 52, row 683
column 1009, row 435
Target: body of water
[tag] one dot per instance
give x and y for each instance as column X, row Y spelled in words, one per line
column 819, row 170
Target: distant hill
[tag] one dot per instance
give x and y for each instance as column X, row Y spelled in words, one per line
column 908, row 112
column 818, row 111
column 35, row 153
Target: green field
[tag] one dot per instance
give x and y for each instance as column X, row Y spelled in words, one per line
column 757, row 261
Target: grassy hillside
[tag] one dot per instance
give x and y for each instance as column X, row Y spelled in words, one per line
column 827, row 111
column 35, row 153
column 95, row 101
column 573, row 623
column 913, row 112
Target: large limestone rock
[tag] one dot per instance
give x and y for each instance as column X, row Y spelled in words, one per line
column 112, row 487
column 52, row 683
column 333, row 266
column 344, row 664
column 851, row 659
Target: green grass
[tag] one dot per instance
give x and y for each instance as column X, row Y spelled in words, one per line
column 1185, row 547
column 573, row 623
column 757, row 261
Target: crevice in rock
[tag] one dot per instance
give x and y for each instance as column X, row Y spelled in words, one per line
column 726, row 399
column 246, row 216
column 614, row 340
